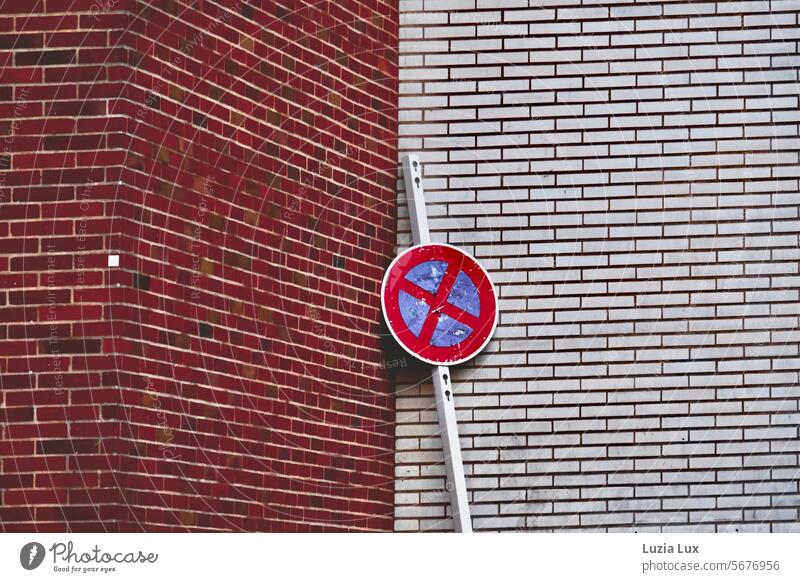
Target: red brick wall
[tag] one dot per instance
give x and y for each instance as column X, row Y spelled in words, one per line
column 241, row 162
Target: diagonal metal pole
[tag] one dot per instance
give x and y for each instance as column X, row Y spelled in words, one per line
column 442, row 381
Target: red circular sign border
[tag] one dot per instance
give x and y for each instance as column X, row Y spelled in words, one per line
column 467, row 263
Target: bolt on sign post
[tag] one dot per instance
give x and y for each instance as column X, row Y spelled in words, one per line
column 441, row 307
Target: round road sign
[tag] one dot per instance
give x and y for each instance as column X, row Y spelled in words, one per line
column 439, row 303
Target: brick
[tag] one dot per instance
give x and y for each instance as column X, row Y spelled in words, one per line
column 150, row 360
column 659, row 217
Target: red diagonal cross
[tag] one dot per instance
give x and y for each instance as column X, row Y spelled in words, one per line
column 438, row 304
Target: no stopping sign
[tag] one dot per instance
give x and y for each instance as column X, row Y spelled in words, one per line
column 439, row 303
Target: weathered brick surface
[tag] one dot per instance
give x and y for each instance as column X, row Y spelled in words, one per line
column 239, row 158
column 628, row 172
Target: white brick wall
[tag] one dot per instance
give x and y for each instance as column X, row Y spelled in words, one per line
column 628, row 172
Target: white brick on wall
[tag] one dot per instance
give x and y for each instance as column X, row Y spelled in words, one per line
column 628, row 173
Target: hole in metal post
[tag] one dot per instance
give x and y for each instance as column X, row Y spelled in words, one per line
column 447, row 393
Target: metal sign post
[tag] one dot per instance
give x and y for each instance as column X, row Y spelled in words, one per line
column 442, row 381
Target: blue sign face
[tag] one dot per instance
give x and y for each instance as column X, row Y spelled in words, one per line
column 463, row 295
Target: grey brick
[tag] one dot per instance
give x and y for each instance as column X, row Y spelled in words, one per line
column 632, row 183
